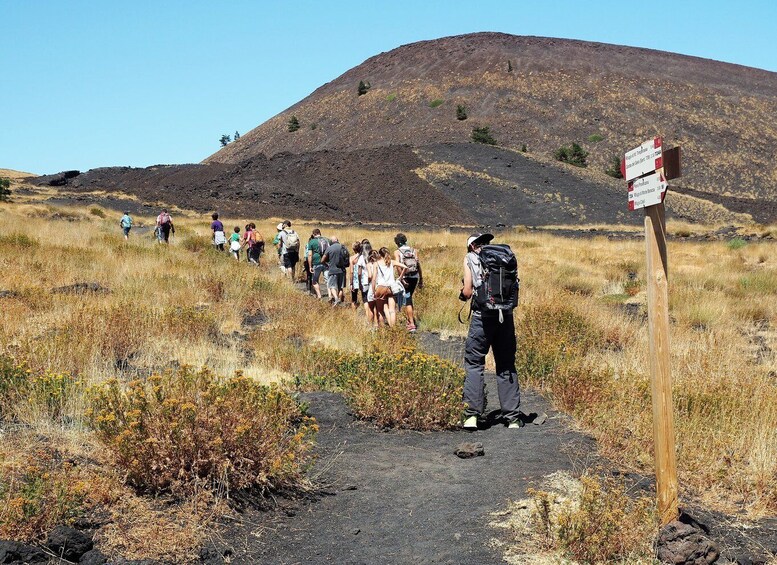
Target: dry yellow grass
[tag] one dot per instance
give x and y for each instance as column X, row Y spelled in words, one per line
column 184, row 304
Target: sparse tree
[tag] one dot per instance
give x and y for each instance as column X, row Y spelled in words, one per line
column 461, row 113
column 574, row 155
column 225, row 139
column 509, row 66
column 5, row 185
column 293, row 123
column 236, row 136
column 483, row 135
column 523, row 148
column 363, row 87
column 614, row 170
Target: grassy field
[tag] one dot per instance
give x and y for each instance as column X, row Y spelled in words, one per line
column 581, row 327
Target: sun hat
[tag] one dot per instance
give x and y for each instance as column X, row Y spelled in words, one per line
column 279, row 226
column 479, row 239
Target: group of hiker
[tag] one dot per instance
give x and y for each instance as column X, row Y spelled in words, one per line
column 385, row 282
column 250, row 240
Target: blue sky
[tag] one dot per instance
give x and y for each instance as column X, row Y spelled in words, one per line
column 135, row 83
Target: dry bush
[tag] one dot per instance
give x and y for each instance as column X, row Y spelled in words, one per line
column 43, row 484
column 605, row 525
column 405, row 389
column 187, row 429
column 29, row 396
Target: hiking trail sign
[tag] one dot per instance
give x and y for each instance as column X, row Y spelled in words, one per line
column 644, row 159
column 644, row 170
column 647, row 191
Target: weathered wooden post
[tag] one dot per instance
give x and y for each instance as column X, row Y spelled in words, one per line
column 643, row 168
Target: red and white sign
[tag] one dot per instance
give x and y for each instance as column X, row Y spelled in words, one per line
column 643, row 159
column 647, row 191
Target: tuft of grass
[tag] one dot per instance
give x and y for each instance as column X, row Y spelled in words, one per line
column 95, row 211
column 736, row 243
column 391, row 97
column 436, row 102
column 595, row 137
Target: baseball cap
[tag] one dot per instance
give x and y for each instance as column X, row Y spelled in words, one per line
column 479, row 239
column 280, row 226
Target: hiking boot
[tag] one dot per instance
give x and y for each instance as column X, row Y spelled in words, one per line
column 515, row 424
column 471, row 423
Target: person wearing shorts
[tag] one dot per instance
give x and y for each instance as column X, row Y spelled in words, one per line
column 412, row 279
column 336, row 260
column 359, row 279
column 290, row 255
column 314, row 250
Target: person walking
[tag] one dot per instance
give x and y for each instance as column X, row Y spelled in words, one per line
column 491, row 327
column 359, row 278
column 411, row 279
column 279, row 246
column 372, row 270
column 219, row 239
column 289, row 248
column 336, row 260
column 234, row 243
column 255, row 243
column 165, row 227
column 314, row 250
column 386, row 286
column 126, row 224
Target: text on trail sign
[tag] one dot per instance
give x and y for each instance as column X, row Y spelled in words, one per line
column 646, row 191
column 643, row 159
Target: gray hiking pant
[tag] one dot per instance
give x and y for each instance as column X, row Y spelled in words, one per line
column 485, row 331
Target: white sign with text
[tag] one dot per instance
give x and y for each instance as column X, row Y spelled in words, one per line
column 646, row 191
column 643, row 159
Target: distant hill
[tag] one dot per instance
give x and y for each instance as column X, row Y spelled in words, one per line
column 545, row 93
column 400, row 154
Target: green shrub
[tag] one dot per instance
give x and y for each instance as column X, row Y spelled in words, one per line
column 614, row 169
column 574, row 155
column 461, row 112
column 293, row 124
column 483, row 135
column 95, row 211
column 5, row 186
column 524, row 149
column 363, row 87
column 595, row 137
column 736, row 243
column 436, row 102
column 391, row 97
column 184, row 430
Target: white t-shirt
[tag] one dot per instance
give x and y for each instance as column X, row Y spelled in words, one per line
column 365, row 278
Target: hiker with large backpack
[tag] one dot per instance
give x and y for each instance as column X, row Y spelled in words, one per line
column 254, row 243
column 412, row 277
column 289, row 248
column 314, row 250
column 491, row 284
column 164, row 224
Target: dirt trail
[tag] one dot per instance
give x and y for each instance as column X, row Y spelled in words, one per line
column 404, row 497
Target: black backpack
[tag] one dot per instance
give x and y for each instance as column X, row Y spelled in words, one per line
column 500, row 282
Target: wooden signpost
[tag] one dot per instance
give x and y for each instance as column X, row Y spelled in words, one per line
column 643, row 169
